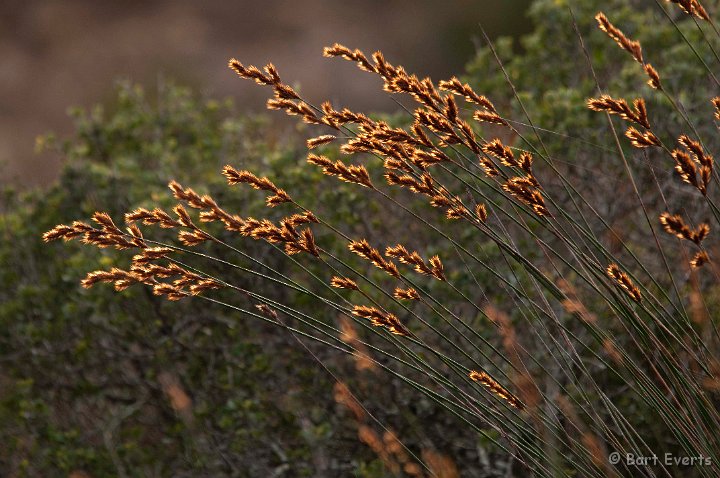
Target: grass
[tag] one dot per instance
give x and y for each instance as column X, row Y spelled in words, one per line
column 577, row 342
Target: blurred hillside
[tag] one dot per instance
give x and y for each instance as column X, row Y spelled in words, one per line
column 95, row 383
column 59, row 53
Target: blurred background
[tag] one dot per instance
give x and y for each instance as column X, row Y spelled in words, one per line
column 95, row 383
column 59, row 53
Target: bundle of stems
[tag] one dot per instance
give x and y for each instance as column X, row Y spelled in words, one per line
column 585, row 313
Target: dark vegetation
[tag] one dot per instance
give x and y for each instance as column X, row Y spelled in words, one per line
column 103, row 384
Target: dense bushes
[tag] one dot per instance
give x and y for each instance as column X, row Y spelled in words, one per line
column 129, row 384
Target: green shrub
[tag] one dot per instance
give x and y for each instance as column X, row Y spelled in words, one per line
column 581, row 356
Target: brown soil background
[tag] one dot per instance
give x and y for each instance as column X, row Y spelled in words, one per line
column 57, row 54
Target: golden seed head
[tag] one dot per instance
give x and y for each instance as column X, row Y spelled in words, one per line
column 653, row 76
column 481, row 212
column 497, row 149
column 632, row 47
column 489, row 117
column 699, row 259
column 320, row 140
column 343, row 283
column 621, row 108
column 380, row 318
column 366, row 251
column 495, row 388
column 716, row 103
column 523, row 188
column 351, row 174
column 623, row 281
column 641, row 140
column 406, row 294
column 692, row 7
